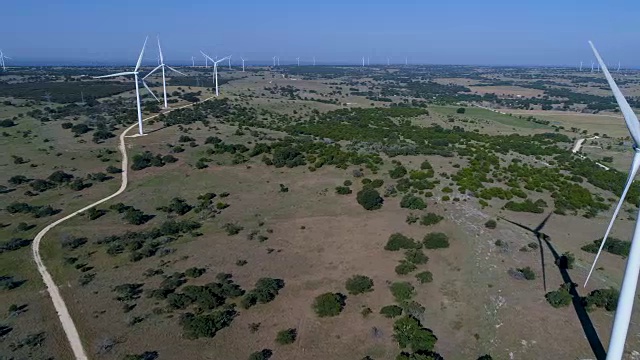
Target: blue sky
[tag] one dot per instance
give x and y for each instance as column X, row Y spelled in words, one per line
column 501, row 32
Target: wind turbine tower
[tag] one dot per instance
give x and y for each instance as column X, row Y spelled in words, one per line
column 363, row 61
column 2, row 57
column 618, row 70
column 164, row 80
column 215, row 70
column 135, row 75
column 630, row 279
column 580, row 65
column 298, row 59
column 229, row 61
column 274, row 61
column 193, row 62
column 406, row 62
column 388, row 63
column 591, row 66
column 242, row 63
column 314, row 61
column 206, row 62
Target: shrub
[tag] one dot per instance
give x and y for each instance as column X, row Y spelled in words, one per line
column 413, row 202
column 491, row 224
column 613, row 246
column 194, row 272
column 264, row 354
column 391, row 311
column 416, row 256
column 206, row 325
column 430, row 219
column 412, row 219
column 18, row 179
column 366, row 312
column 559, row 298
column 602, row 298
column 113, row 170
column 265, row 291
column 347, row 183
column 405, row 267
column 398, row 172
column 436, row 240
column 402, row 291
column 424, row 277
column 398, row 241
column 343, row 190
column 408, row 332
column 376, row 183
column 461, row 110
column 287, row 336
column 370, row 199
column 359, row 284
column 527, row 273
column 232, row 229
column 328, row 304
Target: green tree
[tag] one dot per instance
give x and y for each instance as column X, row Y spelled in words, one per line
column 491, row 224
column 398, row 241
column 461, row 110
column 391, row 311
column 287, row 336
column 413, row 202
column 370, row 199
column 424, row 277
column 402, row 291
column 328, row 304
column 408, row 332
column 436, row 240
column 359, row 284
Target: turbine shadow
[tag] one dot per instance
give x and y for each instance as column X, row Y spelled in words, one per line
column 561, row 262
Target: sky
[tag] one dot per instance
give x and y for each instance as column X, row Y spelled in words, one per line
column 543, row 32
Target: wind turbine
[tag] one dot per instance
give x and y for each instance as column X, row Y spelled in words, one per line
column 206, row 61
column 387, row 61
column 298, row 59
column 135, row 75
column 368, row 63
column 164, row 81
column 2, row 57
column 193, row 62
column 314, row 61
column 229, row 58
column 215, row 70
column 618, row 67
column 591, row 66
column 406, row 62
column 363, row 61
column 274, row 61
column 278, row 58
column 580, row 65
column 632, row 270
column 242, row 63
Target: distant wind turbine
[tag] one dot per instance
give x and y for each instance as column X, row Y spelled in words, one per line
column 630, row 280
column 243, row 59
column 580, row 65
column 2, row 57
column 314, row 61
column 164, row 81
column 229, row 57
column 278, row 58
column 206, row 62
column 591, row 66
column 363, row 61
column 135, row 75
column 406, row 62
column 387, row 61
column 274, row 61
column 368, row 63
column 618, row 70
column 298, row 59
column 215, row 70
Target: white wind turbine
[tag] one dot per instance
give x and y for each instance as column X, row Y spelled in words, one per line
column 206, row 61
column 274, row 61
column 162, row 66
column 193, row 62
column 215, row 70
column 2, row 57
column 298, row 59
column 243, row 59
column 363, row 61
column 388, row 61
column 630, row 279
column 229, row 58
column 135, row 75
column 314, row 61
column 591, row 66
column 580, row 65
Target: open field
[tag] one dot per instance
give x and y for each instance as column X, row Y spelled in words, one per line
column 273, row 153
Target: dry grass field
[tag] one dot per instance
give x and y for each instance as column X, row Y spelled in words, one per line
column 312, row 238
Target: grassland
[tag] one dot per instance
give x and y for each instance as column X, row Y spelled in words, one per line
column 291, row 224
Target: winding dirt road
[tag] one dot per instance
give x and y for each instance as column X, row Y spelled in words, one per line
column 58, row 302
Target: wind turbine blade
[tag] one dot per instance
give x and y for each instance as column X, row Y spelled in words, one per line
column 141, row 53
column 149, row 90
column 207, row 56
column 6, row 57
column 629, row 116
column 172, row 69
column 152, row 71
column 635, row 164
column 160, row 51
column 115, row 75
